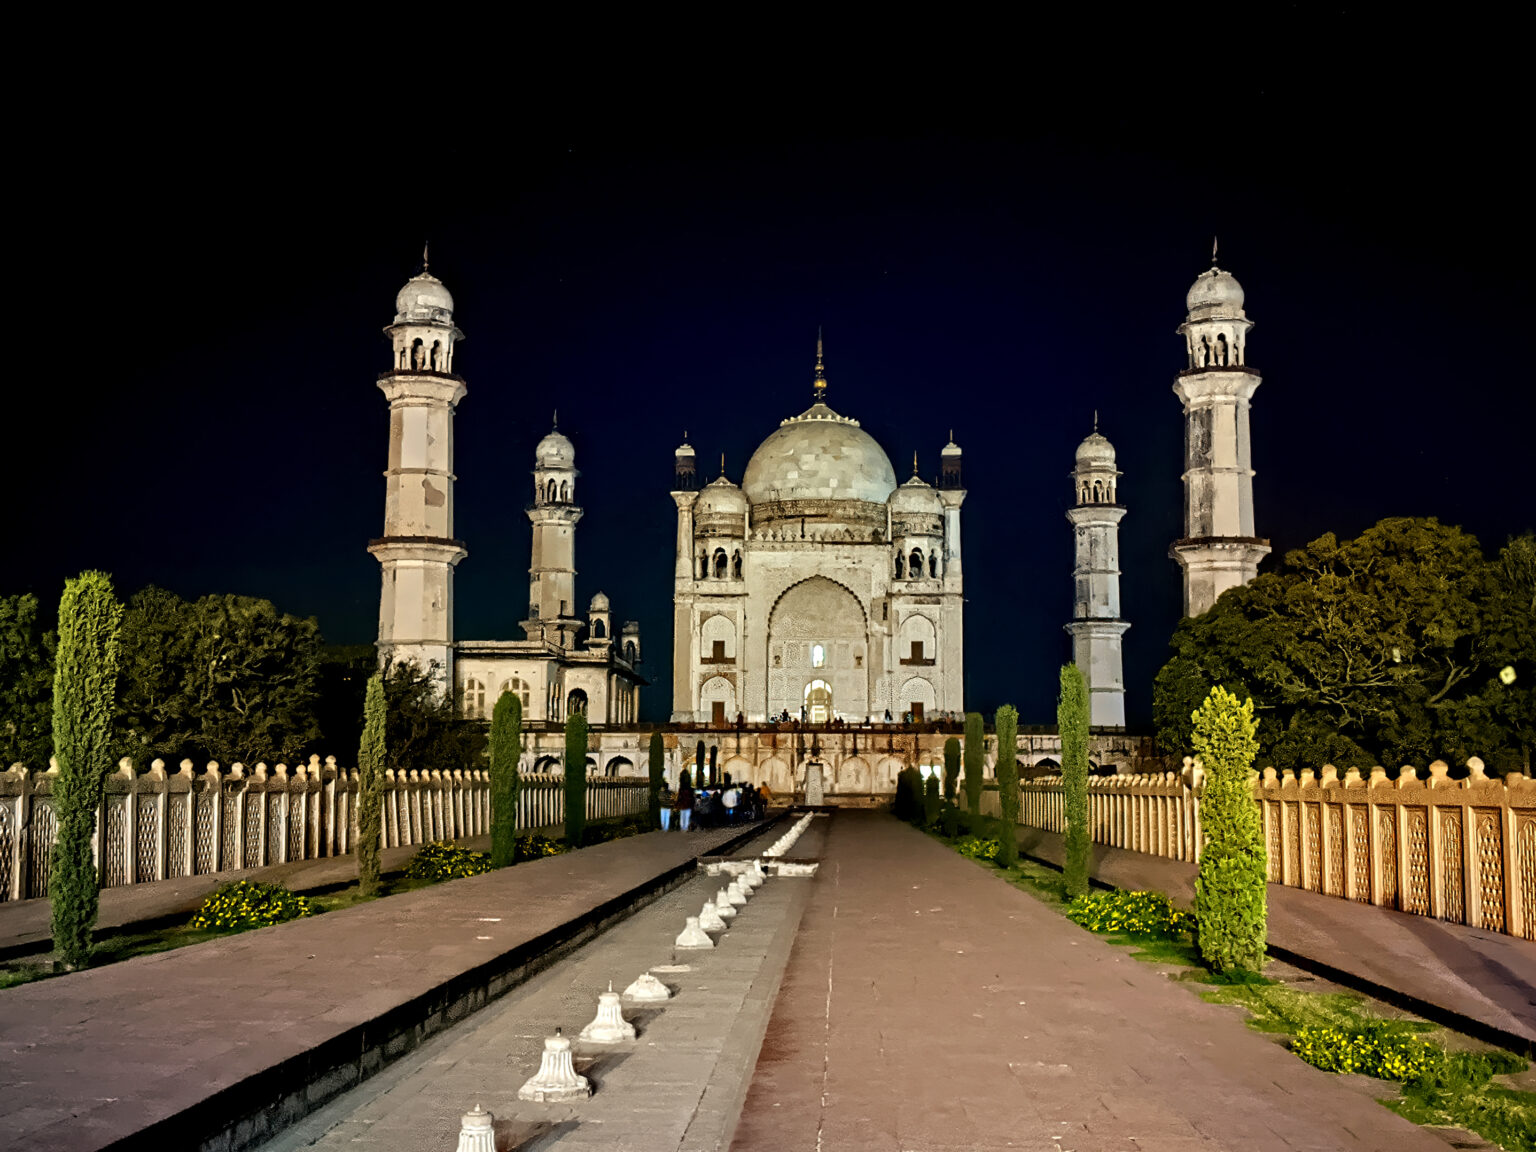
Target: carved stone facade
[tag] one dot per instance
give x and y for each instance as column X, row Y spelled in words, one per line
column 819, row 588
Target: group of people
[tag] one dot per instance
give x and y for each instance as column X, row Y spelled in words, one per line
column 711, row 805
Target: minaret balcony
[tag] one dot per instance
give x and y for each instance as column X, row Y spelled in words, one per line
column 432, row 374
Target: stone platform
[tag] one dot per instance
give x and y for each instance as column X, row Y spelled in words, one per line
column 232, row 1039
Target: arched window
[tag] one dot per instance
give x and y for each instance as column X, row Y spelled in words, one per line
column 436, row 358
column 474, row 699
column 629, row 651
column 703, row 565
column 818, row 701
column 933, row 565
column 736, row 565
column 898, row 566
column 403, row 354
column 1098, row 491
column 565, row 493
column 598, row 631
column 1221, row 349
column 721, row 564
column 1109, row 492
column 518, row 688
column 1084, row 499
column 915, row 565
column 576, row 703
column 818, row 655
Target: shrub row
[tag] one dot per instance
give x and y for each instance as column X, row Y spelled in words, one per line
column 443, row 861
column 247, row 904
column 1138, row 913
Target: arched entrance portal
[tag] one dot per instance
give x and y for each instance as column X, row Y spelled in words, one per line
column 818, row 701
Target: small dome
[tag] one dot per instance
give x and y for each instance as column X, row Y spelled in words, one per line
column 1095, row 452
column 1214, row 293
column 423, row 298
column 721, row 498
column 819, row 455
column 555, row 451
column 599, row 603
column 916, row 496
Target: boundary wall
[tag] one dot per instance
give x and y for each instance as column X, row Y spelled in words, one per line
column 159, row 825
column 1457, row 850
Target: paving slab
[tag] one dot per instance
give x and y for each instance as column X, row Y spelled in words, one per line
column 154, row 1051
column 927, row 1004
column 678, row 1087
column 1481, row 982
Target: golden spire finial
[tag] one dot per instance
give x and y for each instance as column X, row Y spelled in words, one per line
column 914, row 462
column 819, row 386
column 1213, row 251
column 722, row 465
column 425, row 245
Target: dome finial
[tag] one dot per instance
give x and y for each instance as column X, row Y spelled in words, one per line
column 722, row 465
column 554, row 423
column 819, row 386
column 1214, row 241
column 425, row 245
column 914, row 461
column 1095, row 419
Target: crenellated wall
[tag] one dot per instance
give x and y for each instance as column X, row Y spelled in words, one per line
column 159, row 825
column 1458, row 850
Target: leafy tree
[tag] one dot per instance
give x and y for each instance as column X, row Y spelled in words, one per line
column 26, row 684
column 84, row 692
column 575, row 779
column 1072, row 724
column 1230, row 896
column 506, row 749
column 1383, row 649
column 423, row 726
column 1006, row 722
column 975, row 761
column 656, row 771
column 951, row 784
column 371, row 760
column 225, row 676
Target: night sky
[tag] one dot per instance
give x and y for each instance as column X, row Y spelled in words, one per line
column 198, row 409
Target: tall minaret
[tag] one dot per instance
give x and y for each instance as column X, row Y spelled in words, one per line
column 418, row 551
column 1219, row 549
column 552, row 584
column 1096, row 626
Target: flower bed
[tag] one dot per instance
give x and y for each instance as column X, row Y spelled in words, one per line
column 246, row 904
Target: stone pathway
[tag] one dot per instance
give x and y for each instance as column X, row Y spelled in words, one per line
column 1486, row 977
column 927, row 1005
column 156, row 1048
column 678, row 1086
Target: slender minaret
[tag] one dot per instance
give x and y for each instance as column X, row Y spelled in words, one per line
column 1096, row 626
column 552, row 584
column 418, row 551
column 1220, row 549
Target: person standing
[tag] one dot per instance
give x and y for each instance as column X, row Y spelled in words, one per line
column 682, row 803
column 732, row 798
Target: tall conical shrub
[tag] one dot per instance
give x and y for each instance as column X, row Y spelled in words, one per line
column 506, row 751
column 1006, row 723
column 657, row 772
column 575, row 779
column 1230, row 896
column 370, row 788
column 1072, row 724
column 84, row 701
column 951, row 814
column 931, row 801
column 975, row 760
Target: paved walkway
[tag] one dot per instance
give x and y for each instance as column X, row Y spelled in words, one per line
column 927, row 1005
column 146, row 1051
column 678, row 1087
column 1440, row 970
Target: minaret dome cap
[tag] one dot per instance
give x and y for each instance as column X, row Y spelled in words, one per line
column 1096, row 452
column 423, row 298
column 1214, row 293
column 555, row 451
column 599, row 603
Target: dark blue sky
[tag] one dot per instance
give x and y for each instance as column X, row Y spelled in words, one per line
column 207, row 417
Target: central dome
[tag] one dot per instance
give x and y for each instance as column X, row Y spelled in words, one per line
column 819, row 455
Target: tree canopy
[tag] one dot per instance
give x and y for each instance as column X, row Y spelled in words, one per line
column 1401, row 646
column 26, row 684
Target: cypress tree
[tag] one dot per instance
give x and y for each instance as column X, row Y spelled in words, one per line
column 930, row 800
column 1072, row 724
column 975, row 761
column 698, row 766
column 506, row 748
column 84, row 701
column 575, row 779
column 370, row 788
column 657, row 768
column 951, row 784
column 1007, row 724
column 714, row 768
column 1230, row 895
